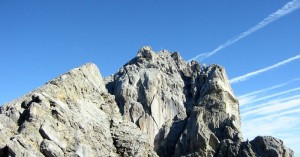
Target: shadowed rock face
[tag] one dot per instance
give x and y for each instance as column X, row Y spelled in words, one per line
column 155, row 105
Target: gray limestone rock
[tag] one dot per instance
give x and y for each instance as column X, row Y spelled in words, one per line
column 270, row 146
column 186, row 109
column 261, row 146
column 155, row 105
column 51, row 149
column 150, row 92
column 68, row 116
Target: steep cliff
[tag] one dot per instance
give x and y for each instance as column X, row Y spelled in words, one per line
column 155, row 105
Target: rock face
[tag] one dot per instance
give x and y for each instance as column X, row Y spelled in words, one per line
column 155, row 105
column 72, row 115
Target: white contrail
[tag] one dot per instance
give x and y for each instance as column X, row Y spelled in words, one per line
column 261, row 91
column 248, row 97
column 247, row 76
column 263, row 104
column 271, row 116
column 286, row 9
column 274, row 106
column 272, row 95
column 268, row 89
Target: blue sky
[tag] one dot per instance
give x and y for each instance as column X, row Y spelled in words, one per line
column 40, row 40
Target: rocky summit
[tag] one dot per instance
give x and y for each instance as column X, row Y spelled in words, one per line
column 157, row 104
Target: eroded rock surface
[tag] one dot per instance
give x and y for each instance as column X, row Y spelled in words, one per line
column 72, row 115
column 155, row 105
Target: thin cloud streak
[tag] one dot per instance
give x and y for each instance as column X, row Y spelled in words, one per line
column 248, row 97
column 246, row 100
column 251, row 74
column 285, row 10
column 267, row 89
column 272, row 116
column 262, row 90
column 273, row 95
column 245, row 110
column 275, row 107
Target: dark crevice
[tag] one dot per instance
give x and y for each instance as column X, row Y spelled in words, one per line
column 110, row 86
column 44, row 134
column 23, row 117
column 142, row 97
column 21, row 144
column 189, row 103
column 165, row 147
column 4, row 152
column 120, row 103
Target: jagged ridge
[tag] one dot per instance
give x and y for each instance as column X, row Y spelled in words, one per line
column 156, row 104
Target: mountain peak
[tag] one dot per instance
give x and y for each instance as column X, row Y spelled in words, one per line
column 155, row 105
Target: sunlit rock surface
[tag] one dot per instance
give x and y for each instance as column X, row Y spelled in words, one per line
column 155, row 105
